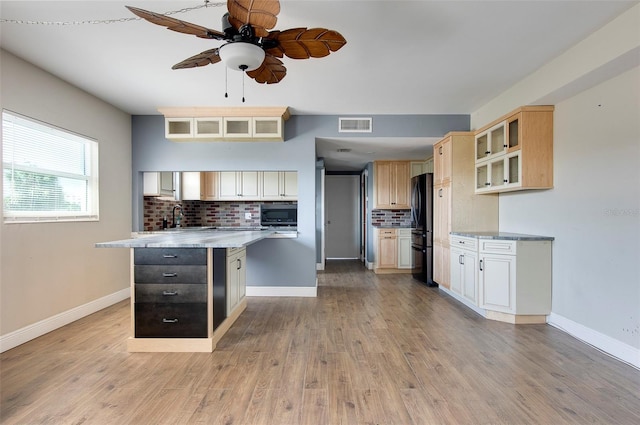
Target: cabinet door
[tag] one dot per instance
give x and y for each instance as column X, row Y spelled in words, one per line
column 437, row 262
column 267, row 127
column 166, row 184
column 445, row 279
column 441, row 219
column 405, row 254
column 209, row 127
column 228, row 187
column 290, row 184
column 387, row 252
column 456, row 270
column 191, row 184
column 238, row 127
column 469, row 276
column 382, row 179
column 178, row 128
column 233, row 295
column 497, row 275
column 402, row 185
column 445, row 160
column 249, row 186
column 209, row 183
column 270, row 185
column 242, row 274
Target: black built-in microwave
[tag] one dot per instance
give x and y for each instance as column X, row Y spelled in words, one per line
column 278, row 214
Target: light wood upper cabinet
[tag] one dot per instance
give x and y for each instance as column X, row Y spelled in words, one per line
column 209, row 186
column 392, row 181
column 225, row 124
column 515, row 152
column 442, row 161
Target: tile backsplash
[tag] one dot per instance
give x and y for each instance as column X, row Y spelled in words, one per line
column 202, row 213
column 395, row 218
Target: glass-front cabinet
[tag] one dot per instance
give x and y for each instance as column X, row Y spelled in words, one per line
column 501, row 173
column 515, row 152
column 491, row 143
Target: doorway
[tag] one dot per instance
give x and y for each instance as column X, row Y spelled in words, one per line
column 342, row 217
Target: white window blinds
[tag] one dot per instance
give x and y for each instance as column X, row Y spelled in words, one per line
column 49, row 174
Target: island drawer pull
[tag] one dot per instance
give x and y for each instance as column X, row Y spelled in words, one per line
column 169, row 274
column 169, row 293
column 169, row 256
column 169, row 320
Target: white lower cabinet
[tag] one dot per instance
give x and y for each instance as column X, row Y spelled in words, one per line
column 236, row 277
column 464, row 270
column 509, row 280
column 498, row 277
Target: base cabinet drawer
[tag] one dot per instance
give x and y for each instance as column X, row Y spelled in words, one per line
column 164, row 320
column 167, row 293
column 170, row 256
column 170, row 274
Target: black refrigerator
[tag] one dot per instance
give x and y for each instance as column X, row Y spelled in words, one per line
column 422, row 228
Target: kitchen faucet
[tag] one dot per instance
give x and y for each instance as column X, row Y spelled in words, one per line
column 173, row 215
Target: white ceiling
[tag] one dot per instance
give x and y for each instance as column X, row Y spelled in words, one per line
column 401, row 57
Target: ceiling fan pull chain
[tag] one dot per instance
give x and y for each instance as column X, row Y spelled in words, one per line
column 243, row 87
column 226, row 90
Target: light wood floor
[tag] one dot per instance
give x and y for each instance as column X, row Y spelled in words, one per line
column 368, row 350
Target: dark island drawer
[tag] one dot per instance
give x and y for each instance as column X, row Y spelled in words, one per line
column 173, row 256
column 170, row 274
column 171, row 320
column 164, row 293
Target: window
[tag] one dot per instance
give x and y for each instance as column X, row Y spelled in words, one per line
column 48, row 174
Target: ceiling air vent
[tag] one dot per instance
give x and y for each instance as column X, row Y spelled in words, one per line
column 354, row 125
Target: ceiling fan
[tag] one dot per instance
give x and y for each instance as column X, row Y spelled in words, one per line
column 249, row 45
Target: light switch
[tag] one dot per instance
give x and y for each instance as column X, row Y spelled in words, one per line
column 247, row 216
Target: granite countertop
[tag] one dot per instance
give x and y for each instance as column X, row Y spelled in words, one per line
column 192, row 239
column 504, row 236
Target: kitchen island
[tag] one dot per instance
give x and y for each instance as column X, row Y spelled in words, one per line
column 188, row 286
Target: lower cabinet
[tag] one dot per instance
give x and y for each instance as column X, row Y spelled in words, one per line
column 170, row 293
column 464, row 265
column 236, row 277
column 393, row 250
column 510, row 280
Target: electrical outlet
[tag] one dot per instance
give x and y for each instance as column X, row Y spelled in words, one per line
column 247, row 216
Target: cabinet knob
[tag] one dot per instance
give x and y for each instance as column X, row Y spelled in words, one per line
column 506, row 181
column 504, row 146
column 487, row 152
column 487, row 184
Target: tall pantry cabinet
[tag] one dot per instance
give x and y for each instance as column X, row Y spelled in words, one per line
column 456, row 206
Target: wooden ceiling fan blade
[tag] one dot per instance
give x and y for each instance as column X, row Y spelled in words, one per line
column 270, row 72
column 303, row 43
column 201, row 59
column 176, row 24
column 262, row 15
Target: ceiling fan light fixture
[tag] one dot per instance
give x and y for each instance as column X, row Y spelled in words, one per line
column 241, row 56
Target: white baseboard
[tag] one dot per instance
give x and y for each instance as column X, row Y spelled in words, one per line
column 369, row 265
column 319, row 266
column 20, row 336
column 282, row 291
column 610, row 346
